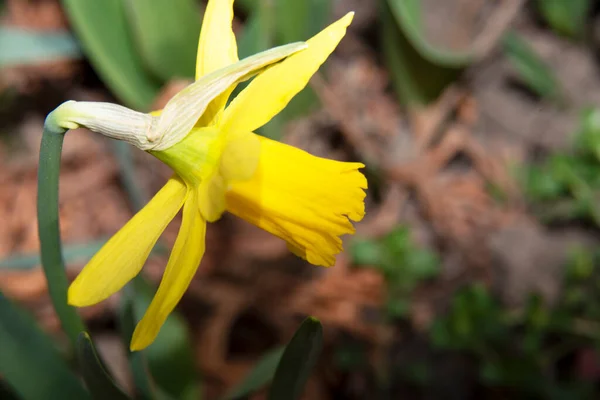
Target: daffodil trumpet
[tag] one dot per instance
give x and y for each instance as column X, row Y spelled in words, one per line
column 220, row 165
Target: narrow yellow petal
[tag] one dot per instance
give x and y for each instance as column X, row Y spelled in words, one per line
column 123, row 256
column 306, row 200
column 183, row 111
column 217, row 47
column 272, row 90
column 183, row 263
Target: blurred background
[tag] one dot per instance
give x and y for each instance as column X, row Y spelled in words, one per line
column 476, row 271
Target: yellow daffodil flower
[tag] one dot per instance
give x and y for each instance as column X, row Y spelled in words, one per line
column 221, row 165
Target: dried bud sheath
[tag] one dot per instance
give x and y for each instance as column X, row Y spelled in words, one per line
column 111, row 120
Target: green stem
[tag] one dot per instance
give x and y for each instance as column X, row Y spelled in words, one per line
column 48, row 228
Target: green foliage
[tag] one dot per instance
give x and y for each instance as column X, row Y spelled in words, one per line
column 402, row 264
column 259, row 376
column 567, row 185
column 272, row 23
column 169, row 359
column 532, row 70
column 30, row 363
column 521, row 349
column 288, row 367
column 419, row 70
column 71, row 253
column 127, row 46
column 565, row 17
column 168, row 51
column 97, row 379
column 20, row 46
column 299, row 358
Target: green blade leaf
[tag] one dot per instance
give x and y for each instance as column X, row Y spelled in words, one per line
column 29, row 362
column 416, row 79
column 20, row 46
column 170, row 356
column 534, row 72
column 72, row 253
column 299, row 20
column 294, row 21
column 127, row 173
column 407, row 14
column 280, row 22
column 144, row 384
column 258, row 35
column 102, row 28
column 258, row 31
column 565, row 17
column 6, row 393
column 299, row 358
column 261, row 374
column 95, row 376
column 171, row 50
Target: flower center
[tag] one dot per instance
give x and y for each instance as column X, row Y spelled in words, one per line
column 196, row 157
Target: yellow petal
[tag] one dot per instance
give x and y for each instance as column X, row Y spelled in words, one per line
column 182, row 111
column 183, row 263
column 306, row 200
column 211, row 197
column 123, row 256
column 217, row 48
column 271, row 91
column 208, row 160
column 239, row 160
column 240, row 156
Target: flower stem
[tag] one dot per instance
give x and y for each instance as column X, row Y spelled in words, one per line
column 48, row 228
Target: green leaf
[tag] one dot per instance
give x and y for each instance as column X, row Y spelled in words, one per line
column 366, row 252
column 300, row 356
column 398, row 241
column 103, row 30
column 170, row 356
column 534, row 72
column 72, row 253
column 419, row 73
column 398, row 308
column 6, row 393
column 408, row 14
column 169, row 51
column 541, row 184
column 587, row 139
column 261, row 374
column 144, row 384
column 94, row 374
column 299, row 20
column 258, row 34
column 20, row 46
column 122, row 152
column 565, row 17
column 29, row 362
column 422, row 263
column 275, row 23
